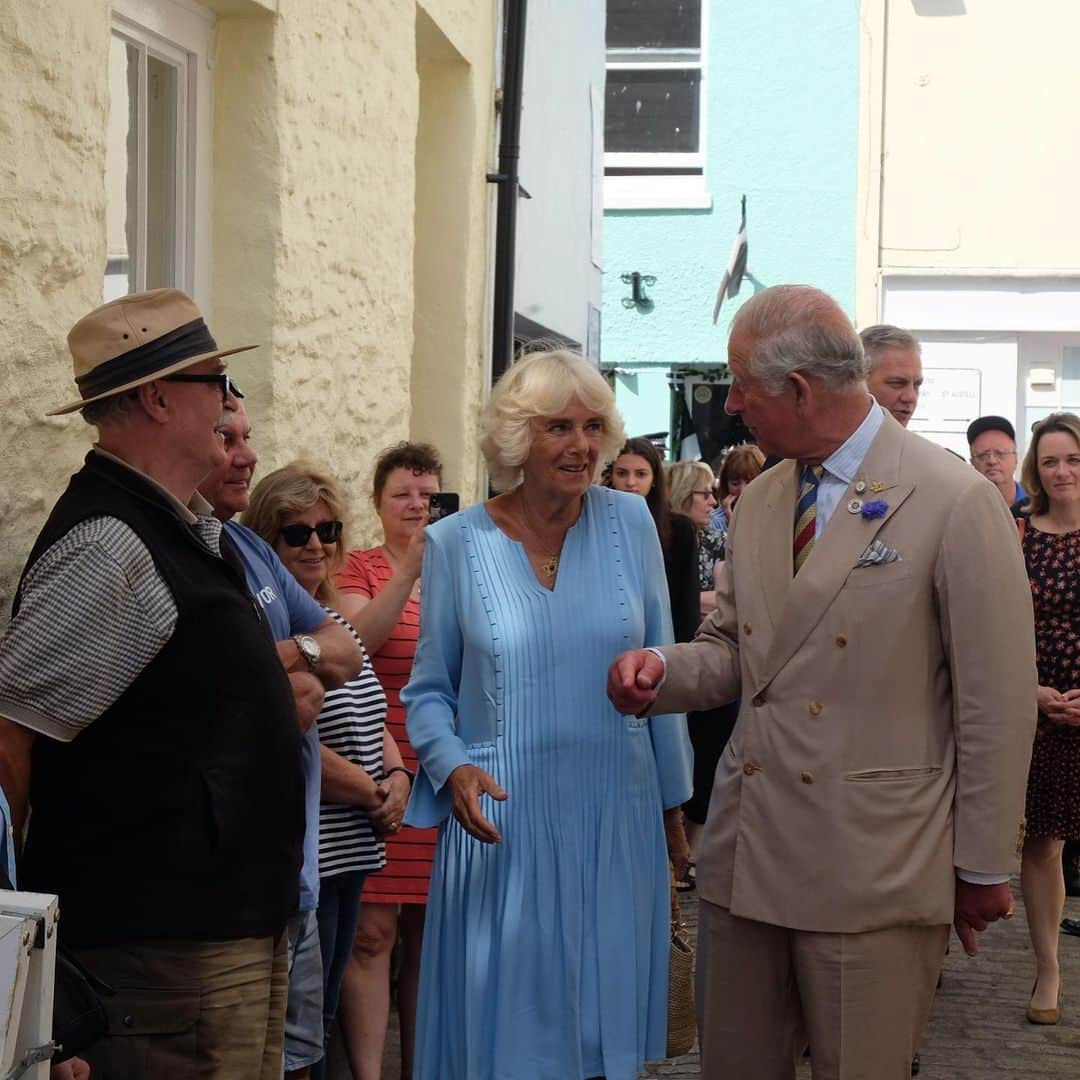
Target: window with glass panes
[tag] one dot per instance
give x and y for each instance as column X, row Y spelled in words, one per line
column 653, row 100
column 157, row 149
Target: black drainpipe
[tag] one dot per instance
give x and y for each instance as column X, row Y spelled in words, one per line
column 502, row 334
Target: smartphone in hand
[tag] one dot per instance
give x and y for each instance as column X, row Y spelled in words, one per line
column 444, row 503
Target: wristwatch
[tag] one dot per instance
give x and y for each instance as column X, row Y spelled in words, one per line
column 309, row 648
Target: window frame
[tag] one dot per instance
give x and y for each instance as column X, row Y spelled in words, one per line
column 679, row 179
column 178, row 33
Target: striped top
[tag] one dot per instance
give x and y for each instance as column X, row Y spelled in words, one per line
column 409, row 852
column 351, row 724
column 98, row 586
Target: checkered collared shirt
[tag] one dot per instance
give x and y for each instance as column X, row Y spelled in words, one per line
column 94, row 613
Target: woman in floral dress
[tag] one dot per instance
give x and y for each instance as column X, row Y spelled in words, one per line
column 1051, row 542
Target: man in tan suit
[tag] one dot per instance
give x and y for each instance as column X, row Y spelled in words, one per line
column 875, row 615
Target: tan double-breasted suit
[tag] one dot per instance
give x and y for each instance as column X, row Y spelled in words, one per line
column 887, row 708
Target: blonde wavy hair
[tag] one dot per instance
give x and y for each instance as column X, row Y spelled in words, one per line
column 542, row 384
column 684, row 477
column 292, row 490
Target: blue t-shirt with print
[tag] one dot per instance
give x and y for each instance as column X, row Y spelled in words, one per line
column 290, row 610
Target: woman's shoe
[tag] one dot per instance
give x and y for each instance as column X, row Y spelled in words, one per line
column 1044, row 1016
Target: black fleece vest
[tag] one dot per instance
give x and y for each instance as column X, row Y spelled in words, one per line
column 178, row 813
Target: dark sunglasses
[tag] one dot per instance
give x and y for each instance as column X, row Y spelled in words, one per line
column 329, row 532
column 222, row 378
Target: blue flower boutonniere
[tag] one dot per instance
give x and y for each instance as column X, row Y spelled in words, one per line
column 875, row 509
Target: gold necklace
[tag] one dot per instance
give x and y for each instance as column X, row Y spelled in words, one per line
column 550, row 566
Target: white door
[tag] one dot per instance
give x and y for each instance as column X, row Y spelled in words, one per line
column 1049, row 379
column 964, row 376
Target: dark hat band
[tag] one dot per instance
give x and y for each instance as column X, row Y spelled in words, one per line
column 191, row 339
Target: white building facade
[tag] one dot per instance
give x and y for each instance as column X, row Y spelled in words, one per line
column 968, row 233
column 558, row 277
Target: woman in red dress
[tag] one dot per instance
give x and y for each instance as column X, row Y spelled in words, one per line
column 384, row 583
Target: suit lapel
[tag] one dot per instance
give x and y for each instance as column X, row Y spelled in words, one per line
column 836, row 551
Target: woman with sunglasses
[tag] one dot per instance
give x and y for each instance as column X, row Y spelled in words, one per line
column 298, row 510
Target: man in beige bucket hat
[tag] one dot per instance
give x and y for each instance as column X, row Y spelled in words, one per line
column 146, row 717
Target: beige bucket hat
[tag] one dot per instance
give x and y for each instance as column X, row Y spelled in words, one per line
column 136, row 339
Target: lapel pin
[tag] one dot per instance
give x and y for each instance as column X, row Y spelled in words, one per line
column 876, row 486
column 873, row 510
column 860, row 487
column 854, row 506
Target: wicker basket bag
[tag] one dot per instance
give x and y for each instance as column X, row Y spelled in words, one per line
column 682, row 1017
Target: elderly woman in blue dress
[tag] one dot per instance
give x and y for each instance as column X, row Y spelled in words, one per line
column 547, row 936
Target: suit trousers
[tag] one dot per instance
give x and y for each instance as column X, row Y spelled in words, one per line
column 862, row 1000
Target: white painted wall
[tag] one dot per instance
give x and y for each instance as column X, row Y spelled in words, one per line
column 981, row 336
column 968, row 154
column 561, row 142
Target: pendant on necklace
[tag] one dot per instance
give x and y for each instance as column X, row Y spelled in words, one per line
column 550, row 566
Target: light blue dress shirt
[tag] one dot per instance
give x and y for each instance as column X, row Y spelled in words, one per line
column 842, row 466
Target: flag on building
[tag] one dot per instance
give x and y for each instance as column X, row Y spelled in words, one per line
column 733, row 275
column 686, row 444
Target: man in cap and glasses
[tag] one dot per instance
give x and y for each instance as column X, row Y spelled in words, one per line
column 147, row 721
column 992, row 441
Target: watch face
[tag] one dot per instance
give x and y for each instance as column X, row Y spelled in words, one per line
column 309, row 647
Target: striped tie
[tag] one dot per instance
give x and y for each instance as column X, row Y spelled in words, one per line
column 806, row 515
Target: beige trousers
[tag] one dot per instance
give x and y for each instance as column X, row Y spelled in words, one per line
column 862, row 1000
column 186, row 1009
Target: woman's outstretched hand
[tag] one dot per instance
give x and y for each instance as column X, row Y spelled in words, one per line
column 467, row 783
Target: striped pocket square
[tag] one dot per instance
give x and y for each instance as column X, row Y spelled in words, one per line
column 879, row 554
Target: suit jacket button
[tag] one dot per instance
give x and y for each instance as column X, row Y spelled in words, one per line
column 841, row 640
column 758, row 699
column 816, row 708
column 751, row 767
column 807, row 777
column 747, row 629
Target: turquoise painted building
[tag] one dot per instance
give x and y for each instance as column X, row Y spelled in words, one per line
column 707, row 101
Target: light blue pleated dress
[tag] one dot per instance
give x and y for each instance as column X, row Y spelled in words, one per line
column 546, row 956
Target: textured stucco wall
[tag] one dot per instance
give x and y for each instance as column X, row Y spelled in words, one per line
column 781, row 127
column 52, row 248
column 330, row 127
column 314, row 138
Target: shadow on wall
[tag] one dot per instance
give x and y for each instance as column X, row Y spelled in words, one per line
column 444, row 151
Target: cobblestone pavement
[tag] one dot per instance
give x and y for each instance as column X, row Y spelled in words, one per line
column 977, row 1030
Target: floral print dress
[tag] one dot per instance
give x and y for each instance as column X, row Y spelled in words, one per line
column 1053, row 793
column 710, row 552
